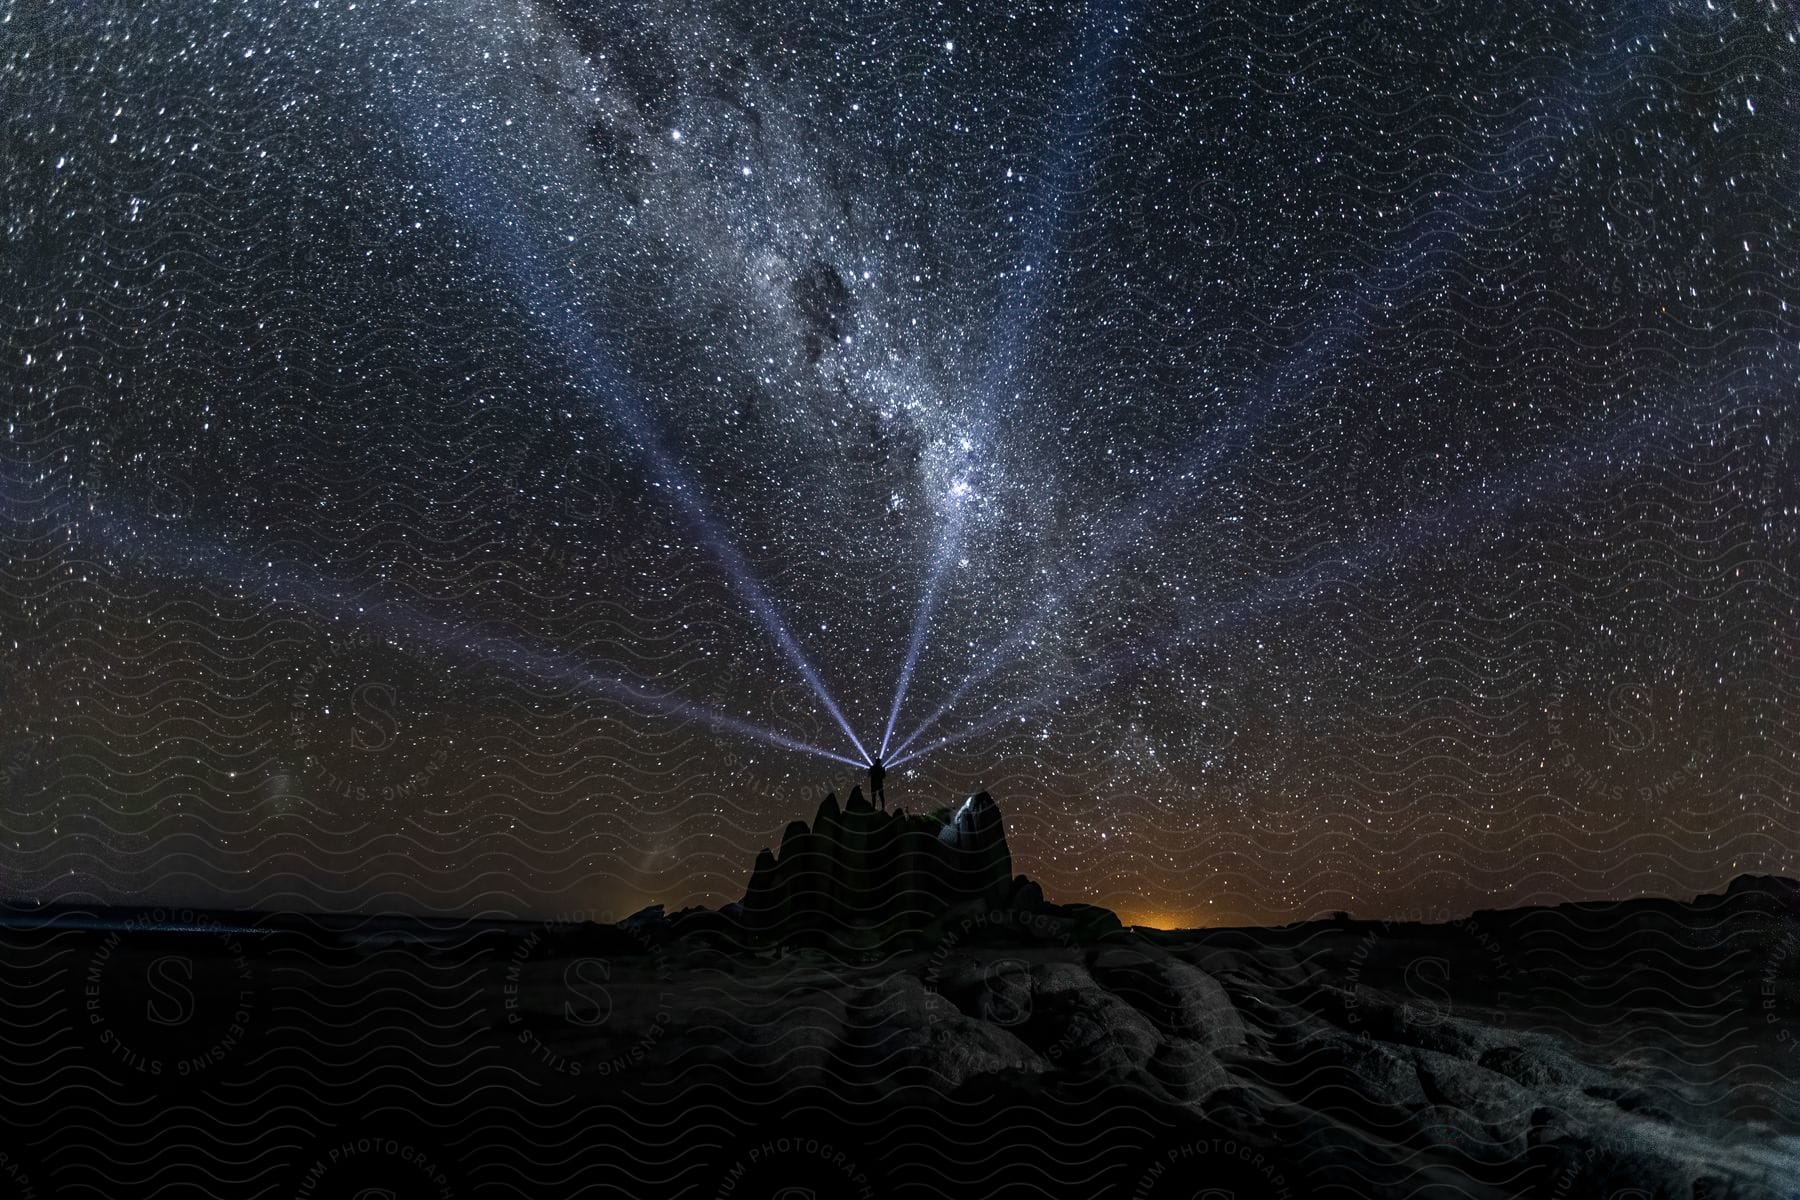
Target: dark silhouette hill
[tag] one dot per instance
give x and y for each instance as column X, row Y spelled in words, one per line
column 891, row 1010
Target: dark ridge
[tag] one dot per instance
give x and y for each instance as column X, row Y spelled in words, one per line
column 861, row 880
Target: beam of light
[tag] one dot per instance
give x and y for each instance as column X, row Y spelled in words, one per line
column 1081, row 106
column 557, row 315
column 165, row 551
column 922, row 619
column 1392, row 544
column 1522, row 156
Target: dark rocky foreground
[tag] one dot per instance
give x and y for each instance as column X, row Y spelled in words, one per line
column 889, row 1011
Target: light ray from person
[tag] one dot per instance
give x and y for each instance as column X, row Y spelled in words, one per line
column 170, row 552
column 1080, row 117
column 1392, row 544
column 557, row 314
column 1525, row 151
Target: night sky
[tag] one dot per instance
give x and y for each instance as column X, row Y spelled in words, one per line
column 468, row 455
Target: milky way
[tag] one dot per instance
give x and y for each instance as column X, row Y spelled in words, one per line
column 515, row 456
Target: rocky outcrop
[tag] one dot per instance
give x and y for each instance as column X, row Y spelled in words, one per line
column 996, row 1044
column 1638, row 1047
column 866, row 875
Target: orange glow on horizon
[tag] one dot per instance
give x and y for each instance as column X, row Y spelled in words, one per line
column 1168, row 920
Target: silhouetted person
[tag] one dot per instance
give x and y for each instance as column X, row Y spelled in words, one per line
column 877, row 773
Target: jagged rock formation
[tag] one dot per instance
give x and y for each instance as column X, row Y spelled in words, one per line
column 858, row 881
column 864, row 877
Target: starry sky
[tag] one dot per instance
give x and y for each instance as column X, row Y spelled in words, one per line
column 513, row 456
